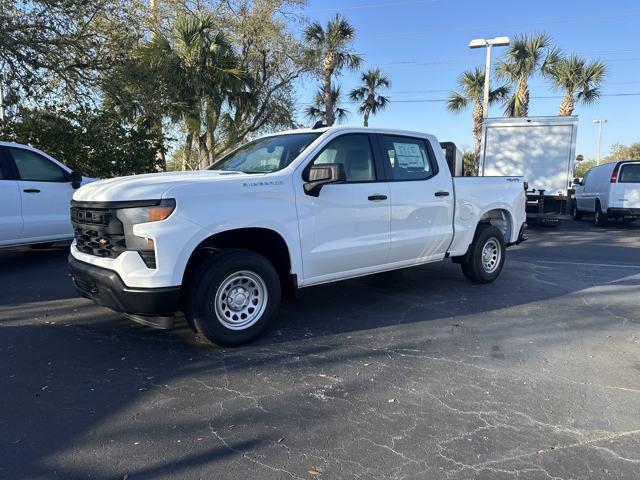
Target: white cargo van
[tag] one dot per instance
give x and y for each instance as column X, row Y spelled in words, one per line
column 609, row 191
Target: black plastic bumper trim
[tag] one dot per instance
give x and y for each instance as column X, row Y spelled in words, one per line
column 106, row 288
column 623, row 211
column 120, row 204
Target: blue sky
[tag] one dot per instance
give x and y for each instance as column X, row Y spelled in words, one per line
column 422, row 46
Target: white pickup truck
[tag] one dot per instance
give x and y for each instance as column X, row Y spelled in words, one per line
column 282, row 212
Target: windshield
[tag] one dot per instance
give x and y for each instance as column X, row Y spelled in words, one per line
column 266, row 155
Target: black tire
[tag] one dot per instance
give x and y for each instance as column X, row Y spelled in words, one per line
column 575, row 213
column 208, row 289
column 473, row 265
column 42, row 246
column 599, row 218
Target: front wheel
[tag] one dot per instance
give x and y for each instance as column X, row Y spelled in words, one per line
column 485, row 259
column 232, row 297
column 575, row 213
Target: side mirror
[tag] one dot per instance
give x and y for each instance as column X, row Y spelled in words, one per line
column 576, row 181
column 76, row 179
column 320, row 175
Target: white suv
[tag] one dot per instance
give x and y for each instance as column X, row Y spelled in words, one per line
column 35, row 196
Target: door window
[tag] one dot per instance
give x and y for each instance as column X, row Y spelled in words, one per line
column 354, row 152
column 408, row 158
column 34, row 167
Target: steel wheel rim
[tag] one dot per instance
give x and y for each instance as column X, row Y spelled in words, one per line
column 240, row 300
column 491, row 255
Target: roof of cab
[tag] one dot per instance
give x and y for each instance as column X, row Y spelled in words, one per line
column 354, row 129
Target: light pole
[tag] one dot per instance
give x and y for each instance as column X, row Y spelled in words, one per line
column 488, row 43
column 600, row 123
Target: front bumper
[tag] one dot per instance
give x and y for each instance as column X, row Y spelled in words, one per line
column 522, row 235
column 106, row 288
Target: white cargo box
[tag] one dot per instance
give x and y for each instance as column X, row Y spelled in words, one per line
column 541, row 149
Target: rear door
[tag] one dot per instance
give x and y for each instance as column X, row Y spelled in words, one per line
column 422, row 199
column 625, row 193
column 46, row 191
column 10, row 201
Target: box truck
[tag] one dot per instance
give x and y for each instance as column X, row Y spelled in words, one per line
column 540, row 149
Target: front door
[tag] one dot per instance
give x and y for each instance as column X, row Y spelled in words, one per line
column 346, row 228
column 46, row 193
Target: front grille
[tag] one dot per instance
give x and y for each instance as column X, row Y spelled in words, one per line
column 98, row 231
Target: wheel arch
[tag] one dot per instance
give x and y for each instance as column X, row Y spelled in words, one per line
column 265, row 241
column 500, row 218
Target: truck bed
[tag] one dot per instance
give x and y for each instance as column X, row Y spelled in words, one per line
column 490, row 199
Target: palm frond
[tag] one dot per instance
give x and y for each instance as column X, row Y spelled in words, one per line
column 457, row 102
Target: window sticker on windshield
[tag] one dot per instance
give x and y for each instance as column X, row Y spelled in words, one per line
column 408, row 155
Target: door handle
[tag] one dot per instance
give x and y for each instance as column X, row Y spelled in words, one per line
column 31, row 190
column 377, row 197
column 441, row 194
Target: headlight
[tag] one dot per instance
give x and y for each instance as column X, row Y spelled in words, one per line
column 154, row 213
column 136, row 215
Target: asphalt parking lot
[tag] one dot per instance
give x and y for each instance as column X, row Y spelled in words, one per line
column 414, row 374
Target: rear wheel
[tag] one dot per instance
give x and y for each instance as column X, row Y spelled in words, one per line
column 599, row 218
column 232, row 297
column 575, row 213
column 485, row 259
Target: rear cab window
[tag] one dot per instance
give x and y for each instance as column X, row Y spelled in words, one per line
column 629, row 173
column 408, row 158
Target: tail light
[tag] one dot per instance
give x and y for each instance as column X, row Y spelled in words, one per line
column 614, row 174
column 526, row 186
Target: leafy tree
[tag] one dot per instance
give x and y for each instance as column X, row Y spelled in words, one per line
column 621, row 152
column 368, row 93
column 471, row 91
column 527, row 56
column 223, row 74
column 579, row 79
column 97, row 143
column 331, row 48
column 52, row 50
column 581, row 168
column 317, row 111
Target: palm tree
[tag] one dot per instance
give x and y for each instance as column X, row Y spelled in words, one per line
column 331, row 47
column 471, row 84
column 199, row 69
column 527, row 56
column 317, row 111
column 367, row 93
column 579, row 80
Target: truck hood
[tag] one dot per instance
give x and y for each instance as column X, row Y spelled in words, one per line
column 148, row 186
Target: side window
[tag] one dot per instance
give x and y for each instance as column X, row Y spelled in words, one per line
column 354, row 152
column 408, row 158
column 32, row 166
column 584, row 180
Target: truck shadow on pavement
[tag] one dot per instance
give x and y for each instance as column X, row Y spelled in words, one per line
column 89, row 394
